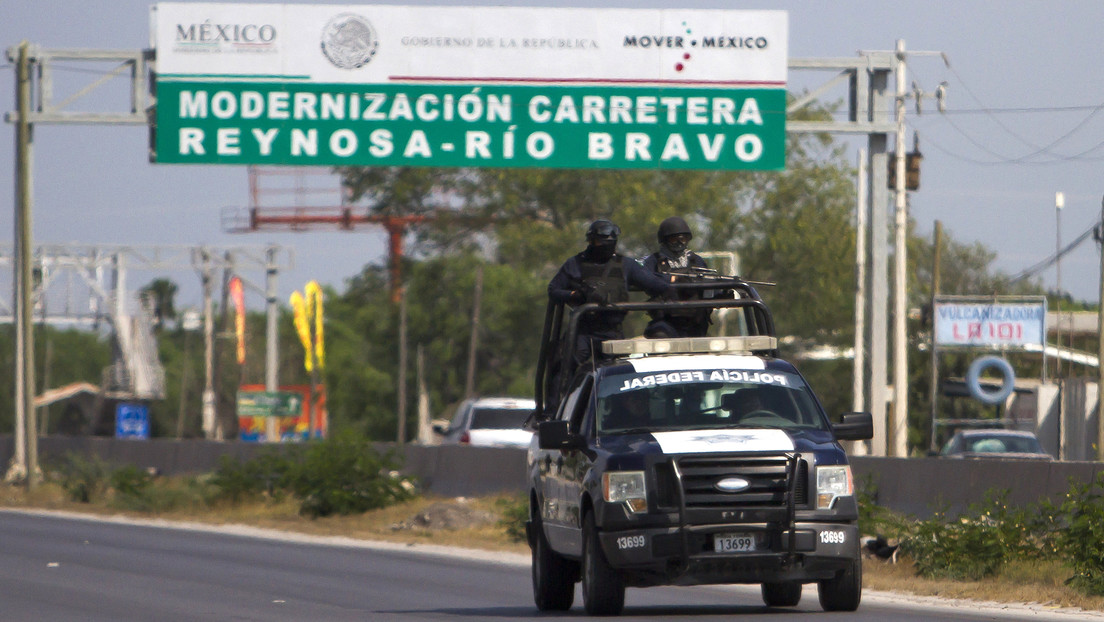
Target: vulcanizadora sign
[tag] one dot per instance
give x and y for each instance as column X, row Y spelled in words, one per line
column 385, row 85
column 970, row 324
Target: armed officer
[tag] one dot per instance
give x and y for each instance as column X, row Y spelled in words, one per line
column 599, row 275
column 675, row 256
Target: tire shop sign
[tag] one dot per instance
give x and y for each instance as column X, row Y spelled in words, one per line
column 979, row 324
column 386, row 85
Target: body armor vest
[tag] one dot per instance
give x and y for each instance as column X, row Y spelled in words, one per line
column 607, row 279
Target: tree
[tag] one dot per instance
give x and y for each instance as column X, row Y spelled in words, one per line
column 162, row 293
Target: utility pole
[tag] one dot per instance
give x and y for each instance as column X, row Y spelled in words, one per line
column 858, row 388
column 207, row 276
column 1100, row 350
column 473, row 343
column 934, row 389
column 401, row 432
column 897, row 441
column 1059, row 203
column 272, row 429
column 1063, row 423
column 26, row 436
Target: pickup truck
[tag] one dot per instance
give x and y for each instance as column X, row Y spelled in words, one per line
column 689, row 461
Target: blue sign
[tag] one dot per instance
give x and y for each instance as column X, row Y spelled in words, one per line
column 132, row 421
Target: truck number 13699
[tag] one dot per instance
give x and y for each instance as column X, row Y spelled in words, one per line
column 630, row 542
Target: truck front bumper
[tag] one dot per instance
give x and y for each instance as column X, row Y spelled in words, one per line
column 810, row 552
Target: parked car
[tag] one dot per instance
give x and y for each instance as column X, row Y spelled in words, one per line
column 995, row 444
column 489, row 422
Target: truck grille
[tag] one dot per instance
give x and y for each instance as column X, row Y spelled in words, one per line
column 764, row 499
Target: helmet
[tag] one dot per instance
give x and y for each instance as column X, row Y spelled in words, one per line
column 673, row 226
column 602, row 230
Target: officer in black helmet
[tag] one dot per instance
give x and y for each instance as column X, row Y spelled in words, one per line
column 675, row 256
column 599, row 275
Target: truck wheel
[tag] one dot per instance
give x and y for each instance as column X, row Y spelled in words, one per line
column 603, row 587
column 844, row 591
column 553, row 576
column 782, row 594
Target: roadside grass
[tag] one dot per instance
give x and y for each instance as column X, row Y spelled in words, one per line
column 1042, row 582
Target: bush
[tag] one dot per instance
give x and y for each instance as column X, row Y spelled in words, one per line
column 347, row 475
column 130, row 481
column 978, row 543
column 270, row 474
column 876, row 520
column 1081, row 540
column 515, row 513
column 82, row 479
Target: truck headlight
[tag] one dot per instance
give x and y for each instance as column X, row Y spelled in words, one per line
column 832, row 482
column 627, row 487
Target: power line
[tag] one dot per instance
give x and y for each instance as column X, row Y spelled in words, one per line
column 1053, row 259
column 1037, row 150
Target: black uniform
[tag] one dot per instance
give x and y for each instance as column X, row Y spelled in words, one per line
column 583, row 279
column 688, row 323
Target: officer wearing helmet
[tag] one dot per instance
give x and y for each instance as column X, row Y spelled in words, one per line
column 599, row 275
column 675, row 256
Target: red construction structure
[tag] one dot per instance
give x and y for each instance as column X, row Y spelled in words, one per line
column 303, row 186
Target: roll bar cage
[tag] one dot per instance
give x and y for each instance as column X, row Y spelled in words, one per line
column 561, row 325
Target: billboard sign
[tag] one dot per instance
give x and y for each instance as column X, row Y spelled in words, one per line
column 386, row 85
column 992, row 325
column 269, row 404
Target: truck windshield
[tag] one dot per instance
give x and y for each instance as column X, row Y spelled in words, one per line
column 705, row 399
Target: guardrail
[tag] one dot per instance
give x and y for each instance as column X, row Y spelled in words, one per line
column 917, row 486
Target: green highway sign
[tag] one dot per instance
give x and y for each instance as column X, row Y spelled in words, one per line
column 478, row 86
column 452, row 125
column 269, row 404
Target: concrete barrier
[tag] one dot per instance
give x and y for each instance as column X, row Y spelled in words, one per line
column 916, row 486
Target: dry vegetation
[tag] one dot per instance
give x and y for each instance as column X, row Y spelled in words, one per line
column 475, row 523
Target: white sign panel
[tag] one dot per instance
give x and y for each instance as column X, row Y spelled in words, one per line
column 975, row 324
column 377, row 43
column 387, row 85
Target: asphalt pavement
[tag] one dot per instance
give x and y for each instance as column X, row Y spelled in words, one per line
column 67, row 567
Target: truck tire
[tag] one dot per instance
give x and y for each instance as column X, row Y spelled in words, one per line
column 603, row 587
column 844, row 591
column 782, row 593
column 553, row 575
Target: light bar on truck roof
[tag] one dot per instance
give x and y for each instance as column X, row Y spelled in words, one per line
column 690, row 345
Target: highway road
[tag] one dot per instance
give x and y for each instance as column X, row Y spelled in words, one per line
column 62, row 568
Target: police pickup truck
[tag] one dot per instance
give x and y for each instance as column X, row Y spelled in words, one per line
column 688, row 461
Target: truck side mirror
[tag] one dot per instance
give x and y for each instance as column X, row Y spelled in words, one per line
column 854, row 427
column 557, row 435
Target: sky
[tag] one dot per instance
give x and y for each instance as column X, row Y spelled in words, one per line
column 1025, row 88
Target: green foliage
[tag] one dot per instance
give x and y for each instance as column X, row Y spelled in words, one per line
column 83, row 479
column 1081, row 540
column 875, row 519
column 990, row 535
column 130, row 481
column 972, row 547
column 347, row 475
column 514, row 513
column 270, row 474
column 134, row 490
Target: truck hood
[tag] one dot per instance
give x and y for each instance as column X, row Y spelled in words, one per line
column 767, row 440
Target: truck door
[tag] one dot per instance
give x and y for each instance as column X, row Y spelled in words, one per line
column 559, row 471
